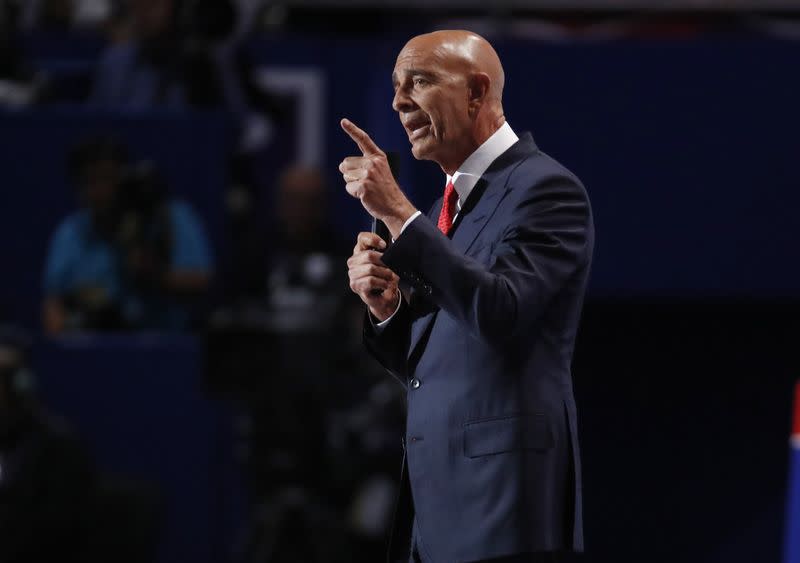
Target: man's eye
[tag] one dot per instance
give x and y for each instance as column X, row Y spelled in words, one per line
column 420, row 82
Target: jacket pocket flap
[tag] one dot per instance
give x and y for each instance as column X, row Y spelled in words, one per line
column 519, row 432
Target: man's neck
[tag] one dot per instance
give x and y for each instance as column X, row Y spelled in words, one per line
column 482, row 133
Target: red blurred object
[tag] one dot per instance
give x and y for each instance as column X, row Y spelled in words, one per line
column 796, row 426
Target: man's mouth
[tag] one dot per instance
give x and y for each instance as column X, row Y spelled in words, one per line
column 418, row 128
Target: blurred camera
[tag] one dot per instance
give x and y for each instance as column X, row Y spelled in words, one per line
column 143, row 229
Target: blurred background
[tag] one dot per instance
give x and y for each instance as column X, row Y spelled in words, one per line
column 181, row 375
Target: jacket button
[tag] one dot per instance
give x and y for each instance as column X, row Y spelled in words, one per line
column 415, row 383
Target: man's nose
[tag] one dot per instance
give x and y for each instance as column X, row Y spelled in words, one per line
column 401, row 101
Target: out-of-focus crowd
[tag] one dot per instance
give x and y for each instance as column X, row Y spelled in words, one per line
column 133, row 257
column 317, row 423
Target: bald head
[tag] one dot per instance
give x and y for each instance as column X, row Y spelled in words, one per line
column 448, row 91
column 467, row 50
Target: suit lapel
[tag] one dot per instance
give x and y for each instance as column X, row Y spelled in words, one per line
column 473, row 217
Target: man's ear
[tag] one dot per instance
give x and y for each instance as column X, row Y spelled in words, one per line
column 479, row 85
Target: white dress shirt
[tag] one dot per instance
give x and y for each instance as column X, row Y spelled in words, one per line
column 467, row 175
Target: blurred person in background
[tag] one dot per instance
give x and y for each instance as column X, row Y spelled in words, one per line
column 159, row 63
column 132, row 257
column 319, row 421
column 289, row 299
column 182, row 54
column 297, row 250
column 46, row 480
column 176, row 54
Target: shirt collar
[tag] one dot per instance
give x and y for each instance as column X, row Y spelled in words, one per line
column 468, row 174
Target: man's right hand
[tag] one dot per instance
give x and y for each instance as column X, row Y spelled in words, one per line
column 370, row 279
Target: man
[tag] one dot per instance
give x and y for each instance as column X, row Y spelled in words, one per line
column 131, row 257
column 483, row 332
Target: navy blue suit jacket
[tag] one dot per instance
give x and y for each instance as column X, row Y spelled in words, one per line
column 485, row 347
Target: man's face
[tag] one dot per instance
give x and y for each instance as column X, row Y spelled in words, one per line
column 431, row 97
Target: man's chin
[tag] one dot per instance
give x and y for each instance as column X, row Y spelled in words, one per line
column 421, row 151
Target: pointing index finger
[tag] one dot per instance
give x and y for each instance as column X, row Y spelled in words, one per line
column 364, row 142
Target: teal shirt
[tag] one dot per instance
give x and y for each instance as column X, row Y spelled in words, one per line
column 79, row 259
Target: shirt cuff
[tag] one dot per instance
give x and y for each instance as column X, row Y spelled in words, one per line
column 381, row 325
column 408, row 221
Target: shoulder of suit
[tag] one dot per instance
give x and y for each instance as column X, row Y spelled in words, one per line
column 537, row 168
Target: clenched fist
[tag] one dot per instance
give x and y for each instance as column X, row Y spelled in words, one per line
column 369, row 178
column 370, row 279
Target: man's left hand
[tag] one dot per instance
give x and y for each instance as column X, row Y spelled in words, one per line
column 369, row 178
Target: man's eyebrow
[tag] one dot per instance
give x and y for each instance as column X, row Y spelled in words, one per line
column 414, row 72
column 424, row 73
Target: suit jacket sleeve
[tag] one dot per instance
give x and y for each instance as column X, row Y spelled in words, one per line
column 390, row 345
column 546, row 240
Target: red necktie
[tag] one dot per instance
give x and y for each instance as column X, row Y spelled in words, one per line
column 448, row 208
